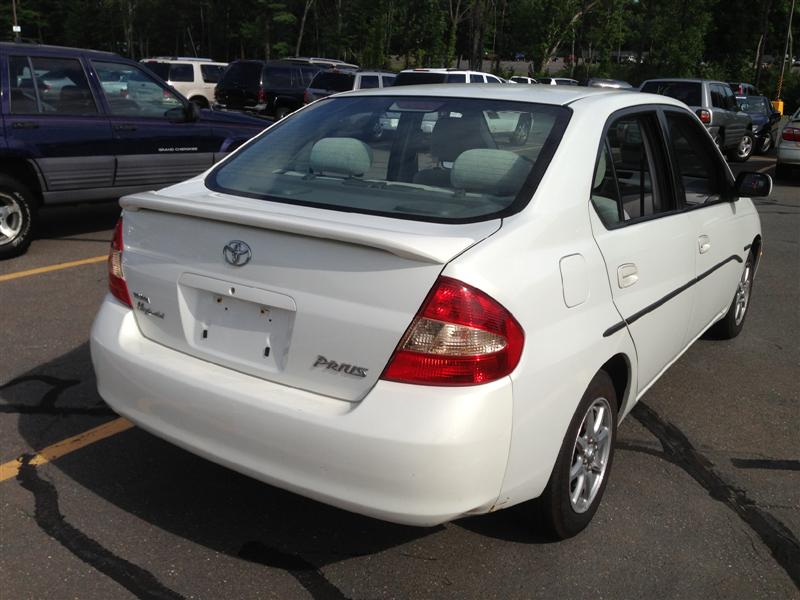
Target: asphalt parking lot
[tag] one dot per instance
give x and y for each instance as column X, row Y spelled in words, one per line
column 703, row 501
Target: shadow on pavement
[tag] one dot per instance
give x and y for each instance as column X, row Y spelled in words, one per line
column 65, row 221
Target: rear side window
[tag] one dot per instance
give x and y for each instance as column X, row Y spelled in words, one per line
column 420, row 78
column 630, row 172
column 694, row 157
column 334, row 82
column 132, row 91
column 473, row 78
column 278, row 77
column 717, row 96
column 447, row 159
column 49, row 86
column 369, row 81
column 388, row 80
column 456, row 78
column 688, row 92
column 211, row 73
column 179, row 72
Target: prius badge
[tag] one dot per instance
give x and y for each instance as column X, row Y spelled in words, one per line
column 237, row 253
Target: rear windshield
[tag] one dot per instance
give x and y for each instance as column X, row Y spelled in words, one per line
column 243, row 72
column 688, row 92
column 335, row 82
column 431, row 159
column 419, row 78
column 159, row 68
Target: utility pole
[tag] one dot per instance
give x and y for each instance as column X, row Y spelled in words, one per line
column 785, row 52
column 16, row 28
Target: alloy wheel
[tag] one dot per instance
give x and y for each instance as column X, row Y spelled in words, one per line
column 10, row 218
column 745, row 147
column 742, row 298
column 590, row 455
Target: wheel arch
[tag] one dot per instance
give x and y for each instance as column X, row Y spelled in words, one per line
column 755, row 248
column 619, row 369
column 24, row 171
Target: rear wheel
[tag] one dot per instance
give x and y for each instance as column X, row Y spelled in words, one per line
column 766, row 143
column 731, row 324
column 744, row 149
column 580, row 475
column 17, row 215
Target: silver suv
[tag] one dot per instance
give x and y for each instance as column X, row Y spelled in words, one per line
column 715, row 104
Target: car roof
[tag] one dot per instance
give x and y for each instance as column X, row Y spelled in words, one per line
column 447, row 71
column 47, row 49
column 563, row 95
column 685, row 79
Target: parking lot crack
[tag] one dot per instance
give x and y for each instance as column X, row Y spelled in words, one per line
column 783, row 545
column 49, row 518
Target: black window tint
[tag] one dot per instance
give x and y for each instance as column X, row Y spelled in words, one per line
column 278, row 77
column 159, row 68
column 23, row 94
column 334, row 82
column 717, row 96
column 694, row 155
column 181, row 72
column 211, row 73
column 369, row 81
column 473, row 78
column 63, row 87
column 308, row 73
column 243, row 72
column 419, row 78
column 634, row 155
column 688, row 92
column 388, row 80
column 457, row 78
column 729, row 98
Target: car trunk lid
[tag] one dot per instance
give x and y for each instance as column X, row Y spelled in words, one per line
column 320, row 299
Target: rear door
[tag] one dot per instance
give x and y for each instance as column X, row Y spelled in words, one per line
column 725, row 115
column 720, row 236
column 153, row 146
column 646, row 242
column 54, row 117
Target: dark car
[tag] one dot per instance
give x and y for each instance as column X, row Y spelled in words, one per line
column 330, row 82
column 95, row 126
column 764, row 118
column 273, row 88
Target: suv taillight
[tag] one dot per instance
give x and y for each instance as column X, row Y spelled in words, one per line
column 791, row 134
column 460, row 336
column 262, row 95
column 116, row 278
column 705, row 116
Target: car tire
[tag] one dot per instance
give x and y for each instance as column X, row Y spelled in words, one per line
column 281, row 112
column 732, row 323
column 766, row 144
column 17, row 217
column 744, row 149
column 200, row 101
column 581, row 472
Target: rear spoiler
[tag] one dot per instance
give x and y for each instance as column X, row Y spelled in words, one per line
column 433, row 242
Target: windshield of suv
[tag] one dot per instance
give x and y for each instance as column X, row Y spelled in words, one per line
column 425, row 158
column 688, row 92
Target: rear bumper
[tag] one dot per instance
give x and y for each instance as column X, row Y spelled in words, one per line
column 788, row 155
column 415, row 455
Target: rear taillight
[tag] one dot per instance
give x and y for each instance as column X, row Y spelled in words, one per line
column 307, row 97
column 791, row 134
column 460, row 336
column 705, row 116
column 116, row 278
column 262, row 96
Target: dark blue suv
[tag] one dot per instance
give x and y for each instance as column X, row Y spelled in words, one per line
column 82, row 126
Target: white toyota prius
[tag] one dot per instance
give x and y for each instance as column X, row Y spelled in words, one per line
column 446, row 321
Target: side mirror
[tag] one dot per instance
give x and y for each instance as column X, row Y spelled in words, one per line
column 753, row 185
column 192, row 112
column 186, row 113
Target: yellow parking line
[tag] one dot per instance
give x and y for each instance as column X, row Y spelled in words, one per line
column 11, row 468
column 58, row 267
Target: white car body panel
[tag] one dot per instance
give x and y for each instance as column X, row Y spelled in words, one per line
column 410, row 453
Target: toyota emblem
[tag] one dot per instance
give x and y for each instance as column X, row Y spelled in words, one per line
column 237, row 253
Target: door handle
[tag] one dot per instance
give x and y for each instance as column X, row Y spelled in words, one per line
column 124, row 127
column 24, row 125
column 703, row 244
column 627, row 275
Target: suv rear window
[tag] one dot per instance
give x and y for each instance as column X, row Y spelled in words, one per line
column 688, row 92
column 334, row 82
column 243, row 72
column 419, row 78
column 279, row 77
column 452, row 160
